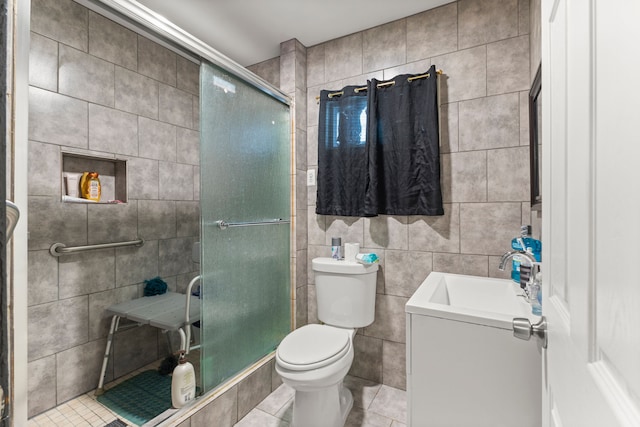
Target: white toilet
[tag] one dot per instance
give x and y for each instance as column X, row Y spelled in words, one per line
column 314, row 359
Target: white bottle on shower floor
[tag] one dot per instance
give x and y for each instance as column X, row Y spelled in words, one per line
column 183, row 383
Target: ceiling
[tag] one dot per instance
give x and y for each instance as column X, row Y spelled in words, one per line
column 250, row 31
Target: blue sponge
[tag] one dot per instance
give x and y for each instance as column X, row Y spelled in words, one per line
column 155, row 286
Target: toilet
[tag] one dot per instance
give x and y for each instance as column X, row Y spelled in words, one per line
column 314, row 359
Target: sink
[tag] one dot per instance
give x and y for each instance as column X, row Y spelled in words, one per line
column 464, row 366
column 481, row 300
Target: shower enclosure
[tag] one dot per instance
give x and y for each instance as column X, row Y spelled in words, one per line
column 245, row 199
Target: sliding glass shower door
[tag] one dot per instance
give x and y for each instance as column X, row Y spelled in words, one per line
column 245, row 207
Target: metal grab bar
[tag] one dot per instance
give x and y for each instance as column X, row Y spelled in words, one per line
column 59, row 249
column 223, row 225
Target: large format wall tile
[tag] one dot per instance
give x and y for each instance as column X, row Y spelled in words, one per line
column 224, row 410
column 136, row 264
column 57, row 326
column 135, row 93
column 78, row 370
column 188, row 146
column 464, row 74
column 142, row 179
column 485, row 21
column 188, row 75
column 508, row 165
column 384, row 231
column 174, row 256
column 384, row 46
column 394, row 364
column 112, row 79
column 389, row 323
column 464, row 177
column 156, row 219
column 43, row 63
column 134, row 348
column 112, row 131
column 487, row 228
column 367, row 360
column 508, row 65
column 349, row 229
column 315, row 65
column 253, row 389
column 63, row 20
column 176, row 181
column 436, row 233
column 405, row 271
column 51, row 221
column 491, row 122
column 112, row 223
column 99, row 319
column 87, row 272
column 269, row 70
column 86, row 77
column 188, row 218
column 432, row 33
column 343, row 57
column 156, row 140
column 474, row 265
column 44, row 175
column 41, row 387
column 156, row 61
column 57, row 119
column 43, row 278
column 176, row 106
column 112, row 42
column 449, row 128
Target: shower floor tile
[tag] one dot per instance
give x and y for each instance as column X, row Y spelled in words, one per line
column 374, row 405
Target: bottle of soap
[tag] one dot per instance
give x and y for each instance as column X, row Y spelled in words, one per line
column 536, row 295
column 530, row 244
column 90, row 187
column 183, row 383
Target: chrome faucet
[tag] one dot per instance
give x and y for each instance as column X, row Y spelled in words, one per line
column 507, row 256
column 530, row 260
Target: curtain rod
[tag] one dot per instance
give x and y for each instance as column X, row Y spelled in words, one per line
column 385, row 84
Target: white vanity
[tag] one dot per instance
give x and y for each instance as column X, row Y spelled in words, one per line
column 464, row 366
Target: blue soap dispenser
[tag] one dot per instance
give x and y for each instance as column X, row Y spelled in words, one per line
column 530, row 244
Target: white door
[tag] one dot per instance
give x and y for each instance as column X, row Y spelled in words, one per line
column 591, row 212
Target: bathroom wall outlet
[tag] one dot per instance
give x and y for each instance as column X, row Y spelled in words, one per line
column 311, row 177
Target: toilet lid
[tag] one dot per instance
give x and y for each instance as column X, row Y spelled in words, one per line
column 313, row 346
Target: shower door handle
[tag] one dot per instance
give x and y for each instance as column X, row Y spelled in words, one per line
column 523, row 329
column 223, row 225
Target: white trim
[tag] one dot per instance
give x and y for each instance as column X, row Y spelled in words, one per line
column 19, row 296
column 617, row 397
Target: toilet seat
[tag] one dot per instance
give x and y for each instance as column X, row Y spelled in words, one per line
column 312, row 347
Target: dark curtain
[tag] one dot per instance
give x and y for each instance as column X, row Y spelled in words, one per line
column 342, row 160
column 403, row 154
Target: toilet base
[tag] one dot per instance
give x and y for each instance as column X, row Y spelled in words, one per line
column 327, row 407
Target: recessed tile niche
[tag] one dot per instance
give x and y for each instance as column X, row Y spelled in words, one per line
column 112, row 173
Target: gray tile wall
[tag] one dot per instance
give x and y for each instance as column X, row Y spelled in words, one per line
column 483, row 48
column 98, row 86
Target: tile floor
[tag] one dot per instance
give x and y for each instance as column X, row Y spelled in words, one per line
column 374, row 405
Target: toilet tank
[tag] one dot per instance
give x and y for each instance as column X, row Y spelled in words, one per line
column 345, row 292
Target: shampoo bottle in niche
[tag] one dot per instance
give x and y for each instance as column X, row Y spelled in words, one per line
column 524, row 243
column 183, row 383
column 90, row 187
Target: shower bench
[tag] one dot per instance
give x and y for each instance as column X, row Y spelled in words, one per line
column 169, row 312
